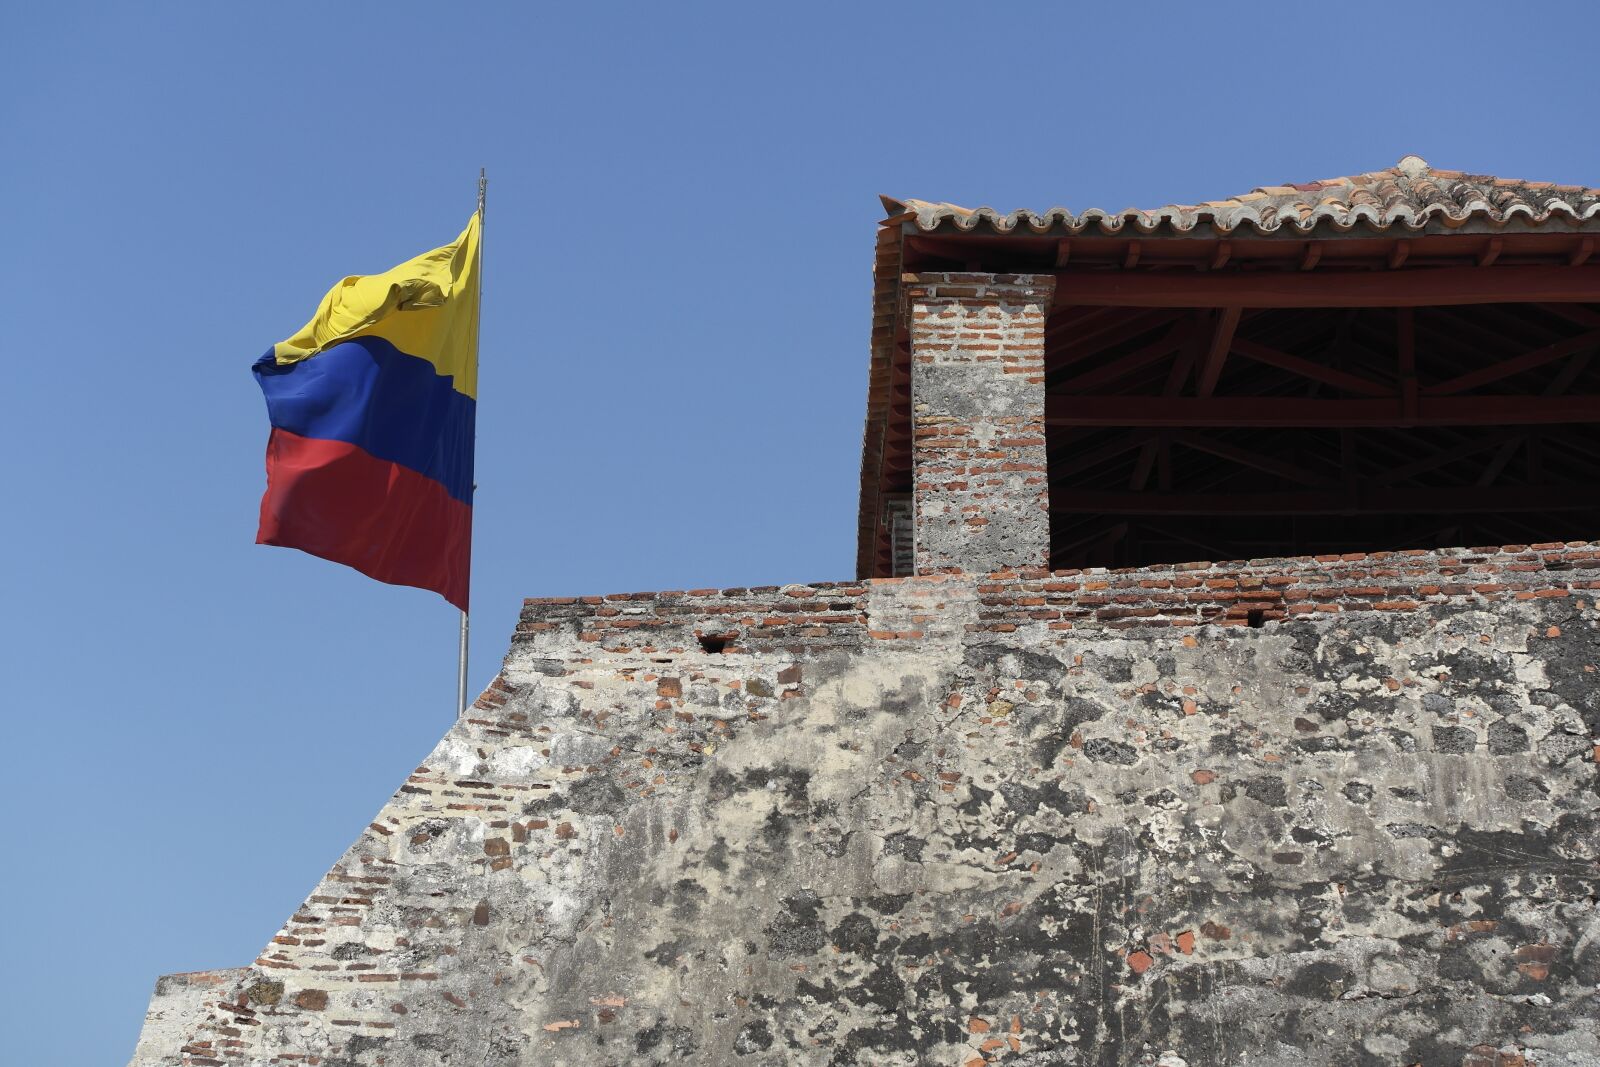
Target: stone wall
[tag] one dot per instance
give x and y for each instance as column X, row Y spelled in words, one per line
column 179, row 1004
column 981, row 498
column 1337, row 811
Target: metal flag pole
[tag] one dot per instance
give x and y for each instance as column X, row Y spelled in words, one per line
column 461, row 661
column 461, row 671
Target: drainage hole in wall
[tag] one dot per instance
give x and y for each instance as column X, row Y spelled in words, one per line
column 1256, row 618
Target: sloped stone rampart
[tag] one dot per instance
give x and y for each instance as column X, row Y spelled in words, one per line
column 179, row 1004
column 1336, row 811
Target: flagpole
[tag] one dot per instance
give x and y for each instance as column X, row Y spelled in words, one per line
column 461, row 671
column 461, row 659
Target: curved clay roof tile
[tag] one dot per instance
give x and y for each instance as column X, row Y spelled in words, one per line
column 1411, row 194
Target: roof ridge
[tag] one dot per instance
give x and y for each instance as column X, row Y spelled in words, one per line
column 1412, row 193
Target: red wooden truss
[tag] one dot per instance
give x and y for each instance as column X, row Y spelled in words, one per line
column 1230, row 399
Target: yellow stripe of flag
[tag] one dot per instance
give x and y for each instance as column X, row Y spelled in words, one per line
column 411, row 307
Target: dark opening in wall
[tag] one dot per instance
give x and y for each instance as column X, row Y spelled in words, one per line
column 1178, row 435
column 1255, row 618
column 714, row 643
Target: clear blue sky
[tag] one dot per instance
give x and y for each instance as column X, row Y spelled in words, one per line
column 681, row 215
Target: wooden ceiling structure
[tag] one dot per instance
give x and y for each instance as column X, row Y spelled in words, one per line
column 1410, row 375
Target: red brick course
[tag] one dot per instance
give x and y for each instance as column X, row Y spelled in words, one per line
column 817, row 618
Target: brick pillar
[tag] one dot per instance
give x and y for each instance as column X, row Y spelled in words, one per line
column 981, row 498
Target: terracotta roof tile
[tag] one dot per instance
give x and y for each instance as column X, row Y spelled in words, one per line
column 1410, row 195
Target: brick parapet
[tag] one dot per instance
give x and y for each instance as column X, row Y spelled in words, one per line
column 980, row 490
column 1258, row 592
column 755, row 619
column 809, row 619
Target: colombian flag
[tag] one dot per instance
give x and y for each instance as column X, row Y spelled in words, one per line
column 373, row 405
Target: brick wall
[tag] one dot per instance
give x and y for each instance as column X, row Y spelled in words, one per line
column 807, row 619
column 977, row 386
column 754, row 620
column 1260, row 592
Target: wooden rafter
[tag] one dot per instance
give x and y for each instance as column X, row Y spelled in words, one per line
column 1122, row 366
column 1435, row 286
column 1574, row 313
column 1506, row 368
column 1569, row 374
column 1078, row 323
column 1177, row 376
column 1144, row 465
column 1506, row 452
column 1095, row 338
column 1508, row 328
column 1282, row 411
column 1245, row 457
column 1416, row 501
column 1363, row 422
column 1186, row 538
column 1217, row 352
column 1098, row 536
column 1305, row 368
column 1078, row 462
column 1406, row 345
column 1472, row 446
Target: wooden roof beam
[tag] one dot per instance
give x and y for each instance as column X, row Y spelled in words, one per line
column 1435, row 286
column 1144, row 464
column 1153, row 352
column 1305, row 368
column 1444, row 457
column 1406, row 355
column 1295, row 411
column 1090, row 334
column 1246, row 458
column 1087, row 460
column 1217, row 354
column 1465, row 500
column 1574, row 313
column 1506, row 368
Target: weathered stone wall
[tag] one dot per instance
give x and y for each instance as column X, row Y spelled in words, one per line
column 1030, row 819
column 981, row 496
column 179, row 1004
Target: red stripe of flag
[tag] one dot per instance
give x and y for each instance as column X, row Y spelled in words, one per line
column 336, row 501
